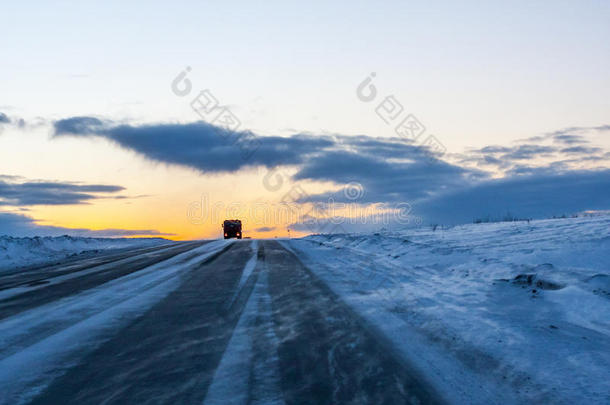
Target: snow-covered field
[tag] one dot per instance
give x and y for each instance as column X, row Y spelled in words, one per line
column 17, row 252
column 500, row 310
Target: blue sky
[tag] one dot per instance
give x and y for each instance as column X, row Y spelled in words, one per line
column 475, row 74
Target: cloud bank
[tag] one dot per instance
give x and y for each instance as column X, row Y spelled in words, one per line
column 199, row 145
column 553, row 174
column 532, row 196
column 390, row 168
column 16, row 191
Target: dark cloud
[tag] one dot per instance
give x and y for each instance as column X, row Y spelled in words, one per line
column 554, row 168
column 569, row 135
column 540, row 194
column 482, row 160
column 495, row 149
column 385, row 148
column 567, row 145
column 572, row 130
column 581, row 150
column 199, row 145
column 80, row 126
column 5, row 120
column 505, row 157
column 528, row 151
column 569, row 139
column 18, row 225
column 15, row 192
column 381, row 180
column 389, row 170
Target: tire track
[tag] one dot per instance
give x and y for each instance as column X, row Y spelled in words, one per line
column 248, row 373
column 38, row 296
column 43, row 344
column 38, row 274
column 170, row 354
column 328, row 354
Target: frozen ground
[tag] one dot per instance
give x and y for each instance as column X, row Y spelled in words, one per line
column 18, row 252
column 519, row 311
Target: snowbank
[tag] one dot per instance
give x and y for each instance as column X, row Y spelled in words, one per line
column 18, row 252
column 488, row 311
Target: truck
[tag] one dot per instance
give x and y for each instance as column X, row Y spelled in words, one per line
column 232, row 228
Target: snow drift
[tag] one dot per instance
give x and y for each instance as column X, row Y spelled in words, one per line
column 518, row 311
column 18, row 252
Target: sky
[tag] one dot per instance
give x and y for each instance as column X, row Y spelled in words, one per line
column 156, row 119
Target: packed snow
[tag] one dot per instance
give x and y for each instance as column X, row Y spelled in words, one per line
column 519, row 310
column 244, row 371
column 40, row 344
column 19, row 252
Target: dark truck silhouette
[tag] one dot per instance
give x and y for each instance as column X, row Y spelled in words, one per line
column 232, row 228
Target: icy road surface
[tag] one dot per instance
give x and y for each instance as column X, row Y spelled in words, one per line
column 221, row 322
column 508, row 313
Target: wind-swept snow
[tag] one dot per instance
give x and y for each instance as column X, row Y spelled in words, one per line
column 248, row 372
column 504, row 312
column 40, row 344
column 18, row 252
column 248, row 269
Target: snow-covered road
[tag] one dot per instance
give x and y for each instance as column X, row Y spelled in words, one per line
column 490, row 313
column 39, row 344
column 223, row 322
column 481, row 314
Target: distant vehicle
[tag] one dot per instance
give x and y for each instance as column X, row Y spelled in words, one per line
column 232, row 228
